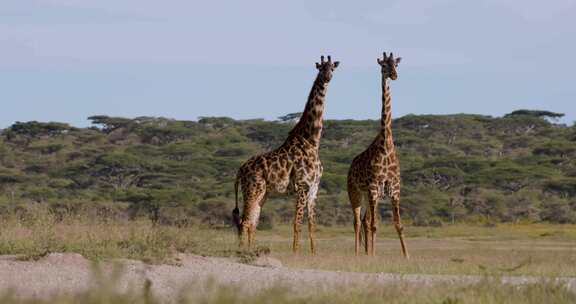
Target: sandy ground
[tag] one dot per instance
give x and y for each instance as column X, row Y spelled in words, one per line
column 70, row 272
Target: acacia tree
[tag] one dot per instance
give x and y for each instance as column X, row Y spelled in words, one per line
column 22, row 133
column 564, row 187
column 119, row 170
column 291, row 117
column 557, row 211
column 9, row 182
column 557, row 148
column 536, row 113
column 109, row 124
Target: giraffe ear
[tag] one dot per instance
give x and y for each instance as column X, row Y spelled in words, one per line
column 398, row 60
column 336, row 64
column 379, row 61
column 318, row 65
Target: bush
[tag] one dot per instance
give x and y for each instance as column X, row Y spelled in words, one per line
column 558, row 212
column 427, row 222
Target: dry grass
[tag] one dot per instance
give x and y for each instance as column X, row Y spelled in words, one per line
column 522, row 249
column 97, row 240
column 487, row 291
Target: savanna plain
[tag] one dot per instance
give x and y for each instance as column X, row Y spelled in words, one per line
column 488, row 205
column 543, row 252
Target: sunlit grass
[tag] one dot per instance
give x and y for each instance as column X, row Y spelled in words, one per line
column 506, row 249
column 95, row 240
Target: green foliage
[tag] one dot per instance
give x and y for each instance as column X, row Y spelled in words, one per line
column 536, row 113
column 34, row 129
column 109, row 124
column 454, row 167
column 565, row 188
column 558, row 211
column 557, row 148
column 290, row 117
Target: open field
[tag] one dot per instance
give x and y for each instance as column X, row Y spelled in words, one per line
column 506, row 249
column 523, row 249
column 531, row 257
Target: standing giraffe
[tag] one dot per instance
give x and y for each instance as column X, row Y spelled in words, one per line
column 294, row 166
column 375, row 173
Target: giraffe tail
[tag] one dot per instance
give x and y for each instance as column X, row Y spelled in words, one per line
column 236, row 211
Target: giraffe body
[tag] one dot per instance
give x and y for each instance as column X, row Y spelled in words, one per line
column 293, row 168
column 375, row 173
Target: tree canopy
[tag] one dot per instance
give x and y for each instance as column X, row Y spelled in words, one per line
column 454, row 167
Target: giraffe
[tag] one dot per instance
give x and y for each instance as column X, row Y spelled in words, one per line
column 375, row 173
column 294, row 167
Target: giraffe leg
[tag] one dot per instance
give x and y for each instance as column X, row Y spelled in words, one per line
column 253, row 195
column 357, row 224
column 249, row 236
column 312, row 207
column 366, row 230
column 299, row 214
column 398, row 226
column 312, row 193
column 252, row 228
column 312, row 225
column 373, row 205
column 356, row 203
column 243, row 237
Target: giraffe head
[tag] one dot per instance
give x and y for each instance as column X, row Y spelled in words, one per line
column 389, row 65
column 326, row 68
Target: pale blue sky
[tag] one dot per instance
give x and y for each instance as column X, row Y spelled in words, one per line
column 64, row 60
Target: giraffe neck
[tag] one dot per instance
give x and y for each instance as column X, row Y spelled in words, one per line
column 309, row 127
column 386, row 120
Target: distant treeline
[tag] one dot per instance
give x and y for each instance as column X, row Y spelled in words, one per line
column 455, row 168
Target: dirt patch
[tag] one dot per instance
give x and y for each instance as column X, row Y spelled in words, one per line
column 69, row 272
